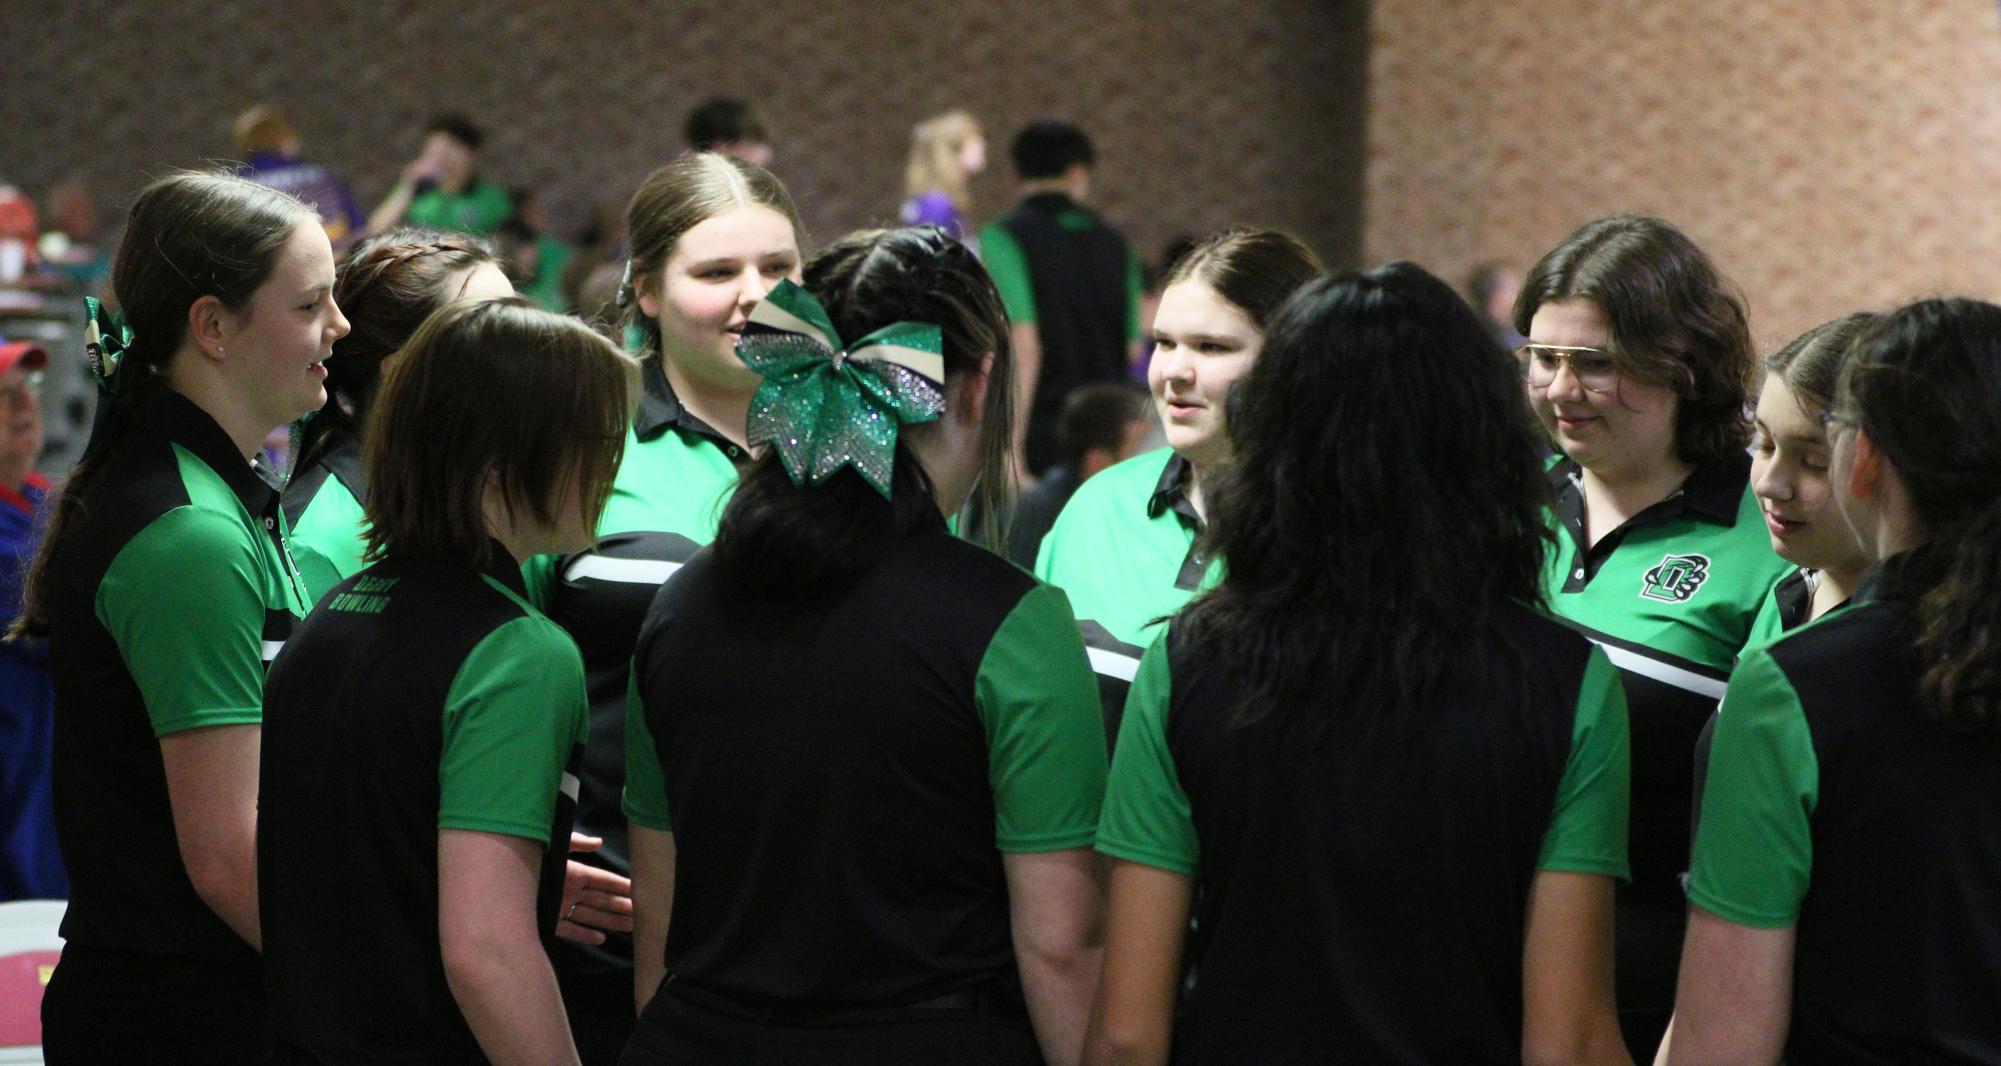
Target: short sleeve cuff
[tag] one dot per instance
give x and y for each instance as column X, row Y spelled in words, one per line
column 168, row 725
column 1144, row 855
column 504, row 826
column 1731, row 912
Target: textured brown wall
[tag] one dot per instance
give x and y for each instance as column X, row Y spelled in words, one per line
column 1205, row 113
column 1830, row 154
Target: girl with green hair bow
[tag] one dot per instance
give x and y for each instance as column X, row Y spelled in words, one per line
column 864, row 757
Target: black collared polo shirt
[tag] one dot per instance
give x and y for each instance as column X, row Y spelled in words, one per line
column 677, row 474
column 1835, row 805
column 418, row 696
column 842, row 775
column 1128, row 551
column 1362, row 877
column 168, row 594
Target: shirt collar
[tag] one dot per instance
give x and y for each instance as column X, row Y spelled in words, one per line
column 1713, row 492
column 183, row 422
column 1904, row 576
column 660, row 410
column 1052, row 202
column 502, row 567
column 1171, row 493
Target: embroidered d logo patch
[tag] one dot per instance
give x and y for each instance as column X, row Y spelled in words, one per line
column 1676, row 578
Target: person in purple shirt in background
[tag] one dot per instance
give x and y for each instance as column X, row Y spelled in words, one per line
column 945, row 152
column 269, row 145
column 30, row 865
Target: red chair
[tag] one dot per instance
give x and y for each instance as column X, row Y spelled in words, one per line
column 29, row 947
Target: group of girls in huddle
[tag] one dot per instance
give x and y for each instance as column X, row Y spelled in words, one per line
column 1408, row 653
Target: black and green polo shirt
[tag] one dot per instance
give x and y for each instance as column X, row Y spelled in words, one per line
column 1363, row 876
column 1127, row 551
column 677, row 474
column 1837, row 806
column 323, row 504
column 1059, row 266
column 1670, row 595
column 842, row 775
column 418, row 696
column 169, row 593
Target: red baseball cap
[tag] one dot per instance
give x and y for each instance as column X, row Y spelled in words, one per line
column 26, row 353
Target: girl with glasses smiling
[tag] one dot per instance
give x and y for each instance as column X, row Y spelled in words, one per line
column 1640, row 369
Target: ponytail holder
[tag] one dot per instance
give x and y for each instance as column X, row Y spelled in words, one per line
column 105, row 340
column 824, row 404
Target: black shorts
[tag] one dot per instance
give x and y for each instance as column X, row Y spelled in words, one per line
column 673, row 1029
column 108, row 1006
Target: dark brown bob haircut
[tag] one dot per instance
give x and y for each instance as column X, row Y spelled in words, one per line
column 1674, row 321
column 494, row 387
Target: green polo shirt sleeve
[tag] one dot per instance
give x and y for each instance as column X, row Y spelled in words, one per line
column 327, row 543
column 1147, row 819
column 1005, row 263
column 514, row 711
column 1038, row 702
column 1753, row 852
column 1587, row 830
column 645, row 798
column 184, row 601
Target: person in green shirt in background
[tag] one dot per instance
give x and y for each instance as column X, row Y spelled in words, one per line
column 1846, row 882
column 1127, row 547
column 441, row 188
column 164, row 589
column 1639, row 364
column 710, row 236
column 1391, row 789
column 388, row 286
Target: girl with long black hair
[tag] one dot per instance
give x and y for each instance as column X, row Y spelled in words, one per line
column 1391, row 789
column 1846, row 878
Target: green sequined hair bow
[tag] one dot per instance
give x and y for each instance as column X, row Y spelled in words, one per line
column 824, row 404
column 105, row 339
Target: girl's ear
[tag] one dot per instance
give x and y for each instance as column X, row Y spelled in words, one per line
column 1866, row 475
column 208, row 326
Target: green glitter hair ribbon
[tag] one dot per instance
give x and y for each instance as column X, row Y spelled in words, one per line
column 824, row 404
column 105, row 339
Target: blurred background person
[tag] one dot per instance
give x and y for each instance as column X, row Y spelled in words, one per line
column 1070, row 281
column 1492, row 288
column 442, row 188
column 268, row 144
column 1102, row 425
column 946, row 151
column 539, row 259
column 729, row 126
column 31, row 865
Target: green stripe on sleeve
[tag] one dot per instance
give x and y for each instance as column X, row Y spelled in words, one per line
column 1038, row 701
column 1587, row 830
column 1003, row 258
column 1147, row 819
column 1753, row 852
column 645, row 797
column 514, row 710
column 1135, row 290
column 184, row 600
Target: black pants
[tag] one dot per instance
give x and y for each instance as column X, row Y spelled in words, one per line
column 105, row 1006
column 1647, row 957
column 674, row 1030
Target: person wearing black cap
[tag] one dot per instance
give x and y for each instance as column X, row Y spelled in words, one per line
column 424, row 726
column 30, row 863
column 865, row 758
column 1846, row 880
column 163, row 588
column 1390, row 789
